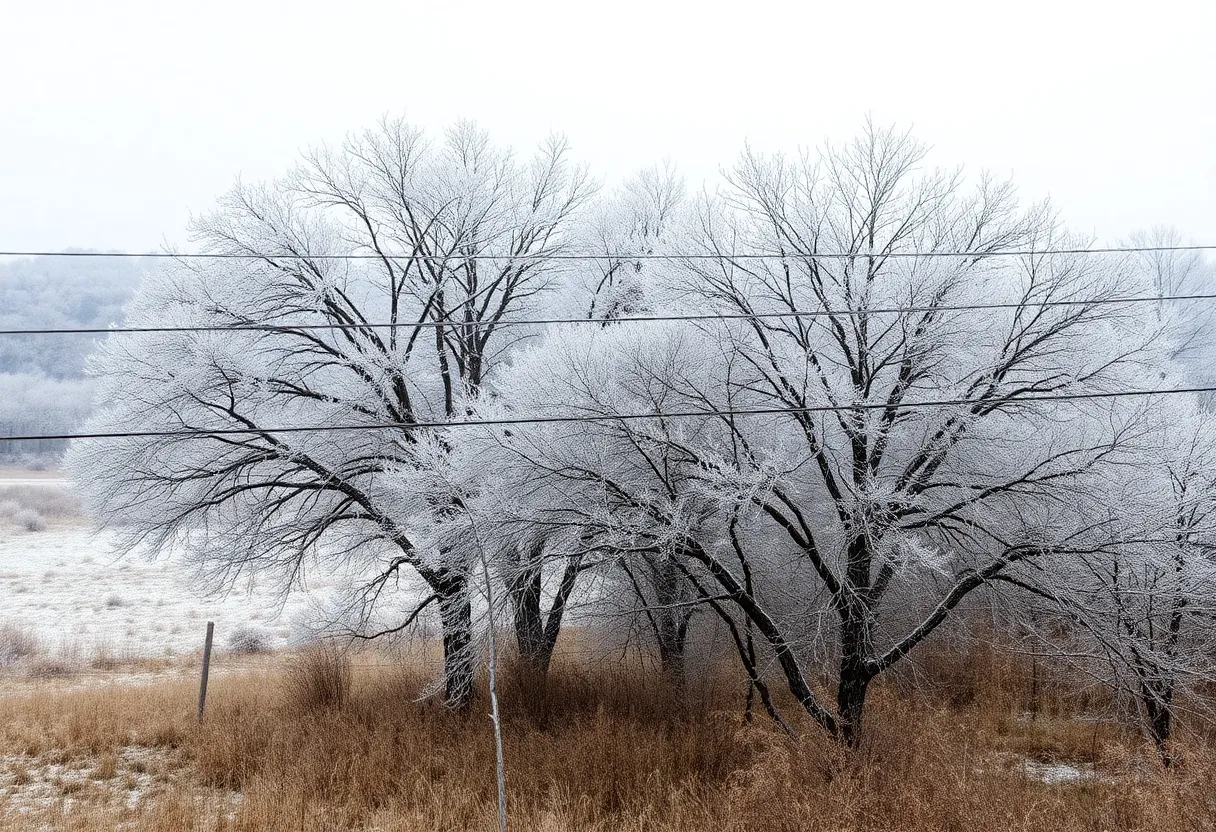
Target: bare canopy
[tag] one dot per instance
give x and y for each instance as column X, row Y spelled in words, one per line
column 460, row 234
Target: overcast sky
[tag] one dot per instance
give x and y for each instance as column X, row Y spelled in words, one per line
column 118, row 119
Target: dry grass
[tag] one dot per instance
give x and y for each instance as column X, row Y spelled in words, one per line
column 319, row 678
column 28, row 662
column 317, row 745
column 17, row 644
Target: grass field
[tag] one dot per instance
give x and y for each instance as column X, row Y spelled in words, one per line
column 98, row 728
column 313, row 742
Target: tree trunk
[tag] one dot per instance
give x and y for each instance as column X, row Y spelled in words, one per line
column 851, row 702
column 1159, row 715
column 1160, row 723
column 456, row 614
column 525, row 594
column 671, row 655
column 535, row 632
column 671, row 620
column 855, row 672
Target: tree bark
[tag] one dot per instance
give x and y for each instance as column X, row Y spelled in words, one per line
column 671, row 620
column 456, row 615
column 851, row 700
column 1159, row 714
column 854, row 605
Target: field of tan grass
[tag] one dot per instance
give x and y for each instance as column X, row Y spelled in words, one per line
column 308, row 743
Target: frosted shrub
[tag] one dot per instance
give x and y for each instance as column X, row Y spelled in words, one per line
column 248, row 640
column 30, row 520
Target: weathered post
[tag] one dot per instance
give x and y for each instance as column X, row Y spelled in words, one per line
column 202, row 686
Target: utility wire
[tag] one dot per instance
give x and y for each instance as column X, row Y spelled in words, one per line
column 728, row 316
column 614, row 417
column 558, row 256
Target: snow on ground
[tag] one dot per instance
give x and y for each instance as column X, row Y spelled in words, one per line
column 36, row 783
column 75, row 592
column 32, row 478
column 47, row 788
column 82, row 600
column 1049, row 772
column 1057, row 773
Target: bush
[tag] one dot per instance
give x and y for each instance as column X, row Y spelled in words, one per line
column 53, row 668
column 248, row 640
column 30, row 520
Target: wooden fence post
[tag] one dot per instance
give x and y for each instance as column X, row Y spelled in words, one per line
column 202, row 686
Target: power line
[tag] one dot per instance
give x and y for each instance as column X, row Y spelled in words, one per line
column 156, row 255
column 618, row 417
column 726, row 316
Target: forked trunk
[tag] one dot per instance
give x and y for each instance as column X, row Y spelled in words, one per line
column 535, row 632
column 534, row 648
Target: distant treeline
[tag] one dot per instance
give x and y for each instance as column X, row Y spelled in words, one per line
column 43, row 383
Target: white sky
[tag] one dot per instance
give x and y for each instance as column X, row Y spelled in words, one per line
column 118, row 119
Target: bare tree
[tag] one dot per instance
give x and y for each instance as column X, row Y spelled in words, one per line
column 1170, row 271
column 888, row 415
column 609, row 282
column 1138, row 612
column 630, row 225
column 456, row 239
column 904, row 454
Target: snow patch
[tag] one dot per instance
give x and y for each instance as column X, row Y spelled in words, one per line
column 1051, row 772
column 76, row 595
column 125, row 780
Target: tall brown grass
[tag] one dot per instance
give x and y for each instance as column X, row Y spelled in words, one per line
column 319, row 745
column 319, row 677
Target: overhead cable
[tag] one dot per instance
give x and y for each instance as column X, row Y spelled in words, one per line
column 605, row 417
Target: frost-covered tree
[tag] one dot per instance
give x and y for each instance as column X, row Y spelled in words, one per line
column 901, row 452
column 42, row 376
column 1167, row 269
column 68, row 292
column 876, row 412
column 278, row 451
column 541, row 567
column 629, row 226
column 590, row 485
column 1138, row 611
